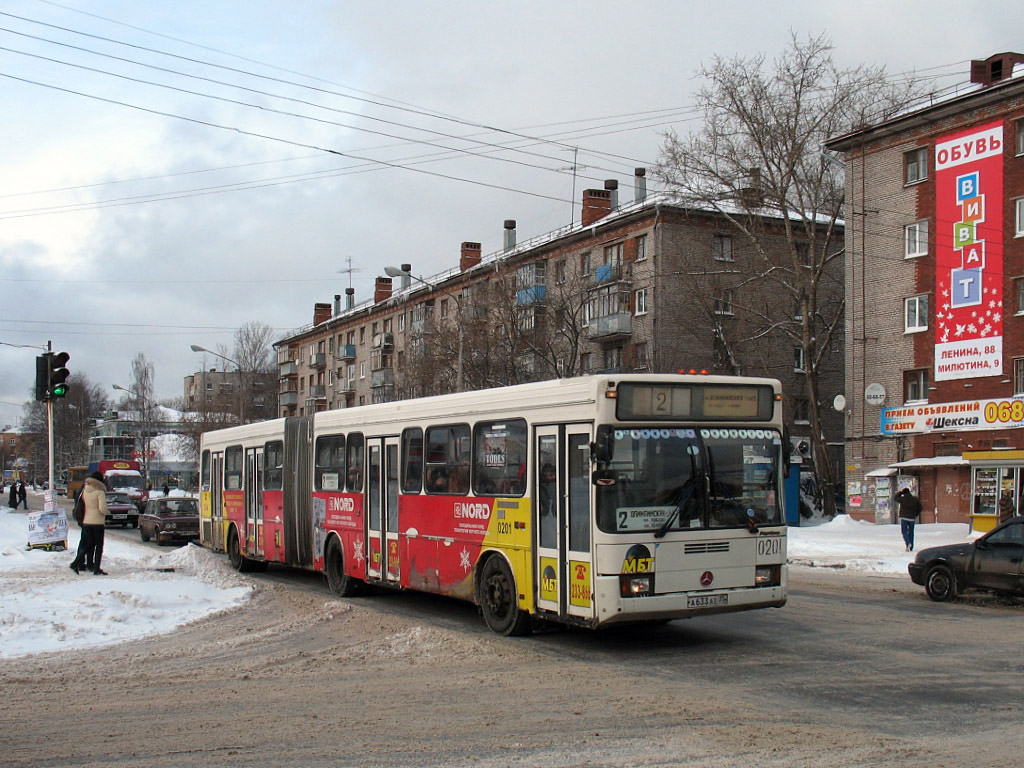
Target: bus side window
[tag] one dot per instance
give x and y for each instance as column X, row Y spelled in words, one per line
column 499, row 457
column 412, row 460
column 354, row 483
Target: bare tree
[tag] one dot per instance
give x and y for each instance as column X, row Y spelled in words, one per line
column 758, row 163
column 141, row 400
column 253, row 353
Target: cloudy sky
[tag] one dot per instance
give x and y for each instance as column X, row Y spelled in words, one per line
column 170, row 171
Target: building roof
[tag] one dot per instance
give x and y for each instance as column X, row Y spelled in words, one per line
column 925, row 117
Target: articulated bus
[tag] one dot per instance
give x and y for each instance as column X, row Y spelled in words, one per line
column 586, row 501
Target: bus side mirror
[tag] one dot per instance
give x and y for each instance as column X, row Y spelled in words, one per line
column 603, row 447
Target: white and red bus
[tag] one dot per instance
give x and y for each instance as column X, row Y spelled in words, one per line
column 584, row 501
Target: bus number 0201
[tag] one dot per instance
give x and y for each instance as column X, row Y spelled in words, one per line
column 770, row 545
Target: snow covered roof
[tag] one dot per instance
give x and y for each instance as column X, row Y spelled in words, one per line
column 932, row 461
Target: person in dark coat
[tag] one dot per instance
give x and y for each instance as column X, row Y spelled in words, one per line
column 909, row 514
column 12, row 499
column 22, row 495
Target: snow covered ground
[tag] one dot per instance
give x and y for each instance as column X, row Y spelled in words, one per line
column 47, row 607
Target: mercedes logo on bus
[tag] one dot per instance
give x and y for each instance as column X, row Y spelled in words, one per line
column 706, row 578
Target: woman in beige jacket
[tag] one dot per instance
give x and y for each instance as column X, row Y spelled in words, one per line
column 90, row 548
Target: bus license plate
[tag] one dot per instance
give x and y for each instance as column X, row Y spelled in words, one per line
column 706, row 601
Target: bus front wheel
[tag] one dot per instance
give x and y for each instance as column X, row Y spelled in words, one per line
column 499, row 599
column 340, row 583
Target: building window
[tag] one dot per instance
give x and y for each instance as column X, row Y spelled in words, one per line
column 1018, row 205
column 721, row 248
column 613, row 358
column 362, row 370
column 560, row 271
column 643, row 356
column 915, row 384
column 613, row 254
column 401, row 323
column 1019, row 137
column 915, row 238
column 946, row 449
column 641, row 301
column 915, row 164
column 723, row 303
column 586, row 362
column 1018, row 375
column 915, row 314
column 798, row 359
column 641, row 248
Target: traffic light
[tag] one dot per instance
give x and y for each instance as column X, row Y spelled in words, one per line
column 58, row 374
column 42, row 376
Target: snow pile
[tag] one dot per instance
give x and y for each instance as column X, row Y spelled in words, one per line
column 47, row 607
column 857, row 545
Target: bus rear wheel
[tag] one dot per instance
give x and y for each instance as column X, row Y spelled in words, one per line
column 239, row 562
column 340, row 583
column 499, row 599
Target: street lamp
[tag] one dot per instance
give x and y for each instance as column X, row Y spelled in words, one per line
column 241, row 398
column 396, row 272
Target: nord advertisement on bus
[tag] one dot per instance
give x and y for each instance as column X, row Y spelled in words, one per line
column 969, row 254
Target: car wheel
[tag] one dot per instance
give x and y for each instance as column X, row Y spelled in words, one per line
column 940, row 584
column 499, row 599
column 340, row 583
column 143, row 534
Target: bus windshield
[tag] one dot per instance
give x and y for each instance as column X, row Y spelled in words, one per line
column 661, row 480
column 123, row 482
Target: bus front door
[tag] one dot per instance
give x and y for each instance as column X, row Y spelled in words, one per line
column 217, row 503
column 383, row 560
column 561, row 517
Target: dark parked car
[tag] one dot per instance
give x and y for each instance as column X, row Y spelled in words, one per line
column 993, row 562
column 171, row 519
column 121, row 510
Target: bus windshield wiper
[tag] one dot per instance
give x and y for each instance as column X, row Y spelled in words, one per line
column 685, row 492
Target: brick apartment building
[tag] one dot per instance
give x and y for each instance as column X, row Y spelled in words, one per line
column 648, row 285
column 935, row 303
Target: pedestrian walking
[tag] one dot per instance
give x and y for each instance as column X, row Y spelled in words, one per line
column 909, row 514
column 12, row 498
column 90, row 548
column 22, row 495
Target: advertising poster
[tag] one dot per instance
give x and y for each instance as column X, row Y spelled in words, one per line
column 969, row 254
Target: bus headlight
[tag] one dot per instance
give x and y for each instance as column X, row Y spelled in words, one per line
column 632, row 585
column 768, row 576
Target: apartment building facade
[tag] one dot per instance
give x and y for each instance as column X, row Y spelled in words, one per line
column 935, row 304
column 650, row 285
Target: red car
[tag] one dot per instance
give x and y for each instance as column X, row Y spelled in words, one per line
column 121, row 511
column 171, row 519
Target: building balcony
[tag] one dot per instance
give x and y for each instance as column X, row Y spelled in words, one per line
column 343, row 386
column 317, row 392
column 346, row 352
column 610, row 273
column 532, row 295
column 383, row 378
column 318, row 360
column 288, row 369
column 611, row 327
column 384, row 341
column 288, row 398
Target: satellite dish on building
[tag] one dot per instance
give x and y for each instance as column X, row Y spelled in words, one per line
column 874, row 394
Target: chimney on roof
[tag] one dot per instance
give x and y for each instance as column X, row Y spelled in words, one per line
column 639, row 185
column 337, row 304
column 510, row 234
column 321, row 312
column 995, row 68
column 597, row 203
column 469, row 256
column 613, row 188
column 382, row 290
column 350, row 298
